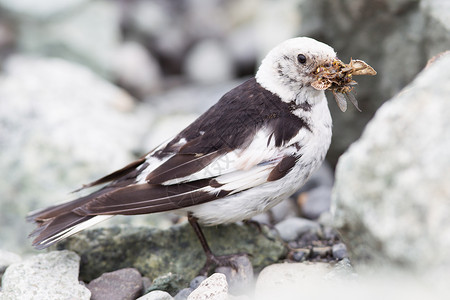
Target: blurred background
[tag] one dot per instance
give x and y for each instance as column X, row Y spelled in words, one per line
column 88, row 85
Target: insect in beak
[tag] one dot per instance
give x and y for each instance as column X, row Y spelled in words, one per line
column 337, row 77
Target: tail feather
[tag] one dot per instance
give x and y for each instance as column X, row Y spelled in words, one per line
column 61, row 227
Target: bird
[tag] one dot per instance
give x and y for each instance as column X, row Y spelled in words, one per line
column 255, row 147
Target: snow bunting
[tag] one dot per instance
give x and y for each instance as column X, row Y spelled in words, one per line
column 254, row 148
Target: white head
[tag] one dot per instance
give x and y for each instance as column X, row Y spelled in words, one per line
column 288, row 68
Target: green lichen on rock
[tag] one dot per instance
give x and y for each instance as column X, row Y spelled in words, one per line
column 155, row 252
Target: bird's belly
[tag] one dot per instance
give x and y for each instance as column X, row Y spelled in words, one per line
column 259, row 199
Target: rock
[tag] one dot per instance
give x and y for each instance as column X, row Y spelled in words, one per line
column 196, row 281
column 69, row 127
column 339, row 251
column 183, row 294
column 52, row 275
column 214, row 287
column 89, row 35
column 121, row 284
column 169, row 282
column 155, row 252
column 292, row 228
column 136, row 70
column 240, row 280
column 156, row 295
column 45, row 10
column 6, row 259
column 315, row 202
column 321, row 252
column 392, row 198
column 389, row 35
column 209, row 62
column 288, row 280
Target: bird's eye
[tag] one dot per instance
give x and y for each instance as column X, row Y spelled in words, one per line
column 301, row 58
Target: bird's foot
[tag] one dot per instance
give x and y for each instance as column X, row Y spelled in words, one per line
column 214, row 261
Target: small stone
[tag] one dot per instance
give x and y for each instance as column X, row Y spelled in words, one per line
column 315, row 202
column 339, row 251
column 214, row 287
column 291, row 229
column 321, row 252
column 196, row 282
column 184, row 293
column 238, row 280
column 300, row 254
column 155, row 295
column 121, row 284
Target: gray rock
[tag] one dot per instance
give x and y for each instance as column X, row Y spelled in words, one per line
column 183, row 294
column 136, row 70
column 209, row 62
column 45, row 9
column 156, row 295
column 60, row 126
column 155, row 252
column 51, row 275
column 213, row 287
column 339, row 251
column 315, row 202
column 240, row 280
column 300, row 255
column 123, row 284
column 6, row 259
column 196, row 281
column 389, row 35
column 89, row 35
column 392, row 195
column 292, row 228
column 321, row 252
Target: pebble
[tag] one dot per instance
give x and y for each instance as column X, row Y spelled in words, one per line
column 196, row 281
column 292, row 228
column 315, row 202
column 214, row 287
column 121, row 284
column 183, row 294
column 154, row 295
column 339, row 251
column 300, row 254
column 321, row 252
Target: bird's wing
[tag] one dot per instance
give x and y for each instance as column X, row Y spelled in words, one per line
column 186, row 180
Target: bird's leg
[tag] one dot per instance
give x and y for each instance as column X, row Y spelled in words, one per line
column 211, row 258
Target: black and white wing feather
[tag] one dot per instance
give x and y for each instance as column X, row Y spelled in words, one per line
column 245, row 140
